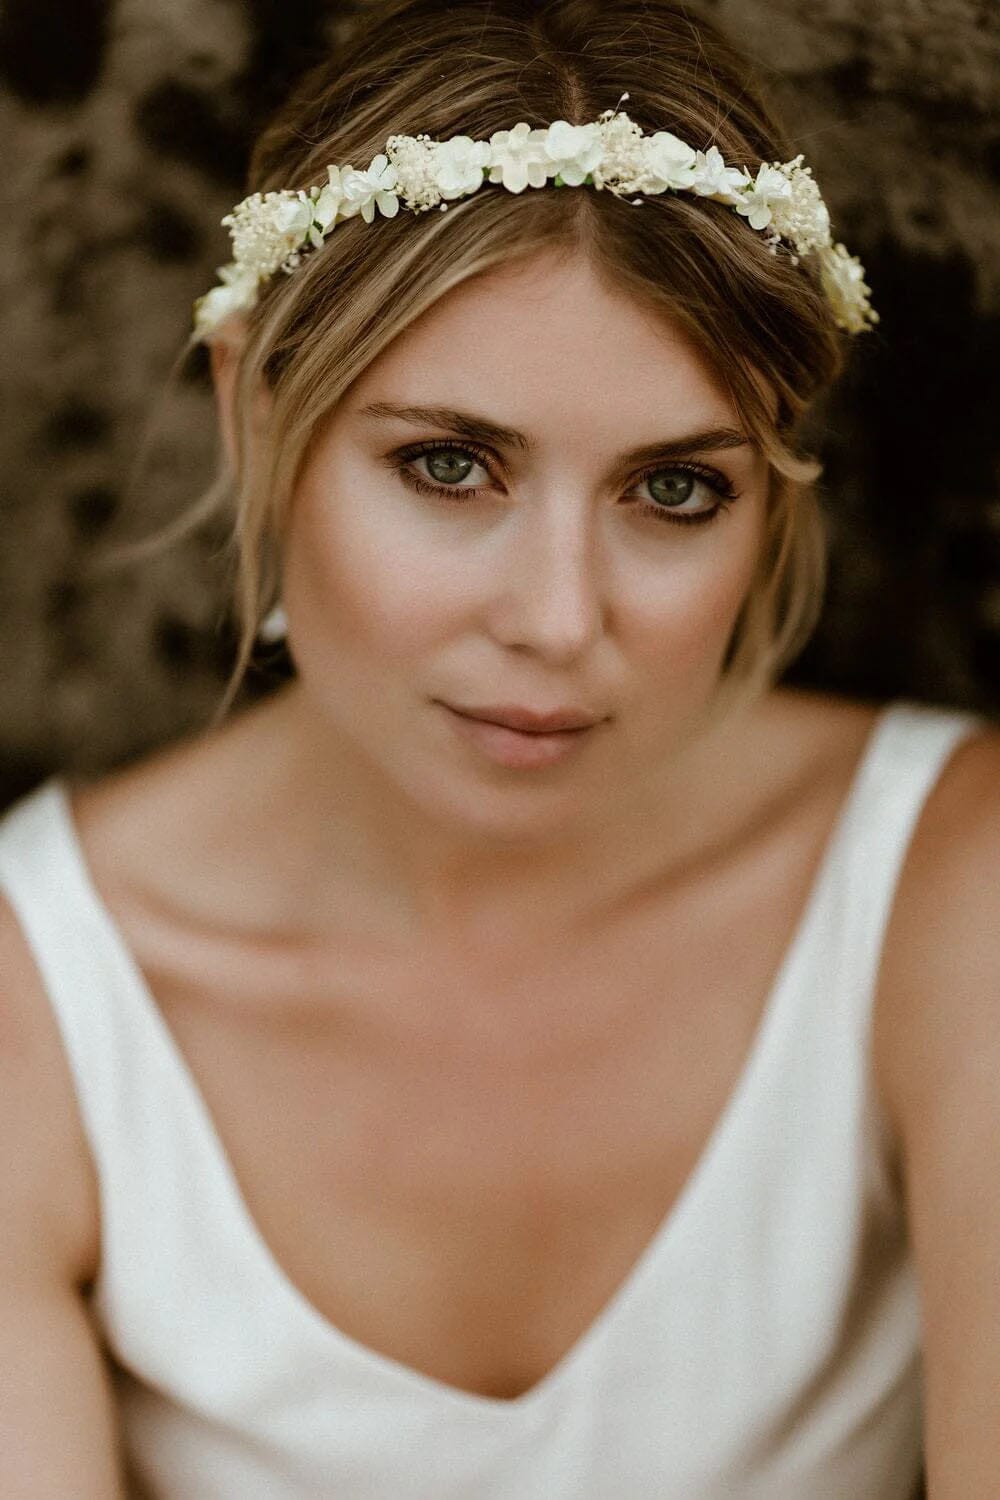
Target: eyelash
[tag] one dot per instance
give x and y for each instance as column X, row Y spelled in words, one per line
column 715, row 481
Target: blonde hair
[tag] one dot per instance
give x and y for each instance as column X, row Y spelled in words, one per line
column 444, row 68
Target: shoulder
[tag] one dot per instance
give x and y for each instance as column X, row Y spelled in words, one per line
column 48, row 1181
column 940, row 973
column 805, row 746
column 177, row 809
column 936, row 1049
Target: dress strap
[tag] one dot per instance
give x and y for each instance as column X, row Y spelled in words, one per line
column 81, row 972
column 910, row 747
column 843, row 944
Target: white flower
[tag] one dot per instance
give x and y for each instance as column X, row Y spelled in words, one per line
column 843, row 279
column 459, row 165
column 573, row 151
column 669, row 161
column 267, row 229
column 713, row 179
column 270, row 231
column 292, row 216
column 330, row 199
column 238, row 293
column 413, row 158
column 802, row 217
column 622, row 168
column 363, row 191
column 518, row 158
column 768, row 190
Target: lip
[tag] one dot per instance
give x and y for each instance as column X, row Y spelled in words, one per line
column 519, row 749
column 528, row 720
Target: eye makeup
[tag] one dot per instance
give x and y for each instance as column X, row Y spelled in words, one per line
column 712, row 479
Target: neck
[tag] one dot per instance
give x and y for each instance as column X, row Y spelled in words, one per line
column 342, row 836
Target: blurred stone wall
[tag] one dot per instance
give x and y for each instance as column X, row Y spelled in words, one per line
column 125, row 129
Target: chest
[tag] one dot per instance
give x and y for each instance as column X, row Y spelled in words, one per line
column 460, row 1166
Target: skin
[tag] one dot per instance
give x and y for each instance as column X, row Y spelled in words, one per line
column 550, row 587
column 534, row 991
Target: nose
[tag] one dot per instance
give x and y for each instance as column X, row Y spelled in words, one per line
column 551, row 594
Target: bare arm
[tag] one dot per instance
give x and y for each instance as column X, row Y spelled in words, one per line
column 58, row 1433
column 937, row 1045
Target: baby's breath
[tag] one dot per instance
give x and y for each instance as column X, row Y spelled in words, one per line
column 272, row 231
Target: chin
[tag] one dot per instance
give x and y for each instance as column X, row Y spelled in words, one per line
column 530, row 808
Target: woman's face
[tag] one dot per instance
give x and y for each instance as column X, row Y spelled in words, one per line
column 543, row 567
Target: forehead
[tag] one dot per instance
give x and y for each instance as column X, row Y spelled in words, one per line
column 548, row 342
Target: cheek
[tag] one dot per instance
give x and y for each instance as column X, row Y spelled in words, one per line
column 373, row 573
column 362, row 572
column 687, row 612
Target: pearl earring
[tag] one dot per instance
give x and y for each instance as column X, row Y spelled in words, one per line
column 274, row 626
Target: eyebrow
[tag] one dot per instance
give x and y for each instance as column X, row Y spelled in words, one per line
column 481, row 429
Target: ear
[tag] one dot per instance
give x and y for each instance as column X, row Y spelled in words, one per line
column 225, row 354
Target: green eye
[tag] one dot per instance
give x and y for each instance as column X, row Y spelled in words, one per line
column 675, row 487
column 444, row 462
column 671, row 485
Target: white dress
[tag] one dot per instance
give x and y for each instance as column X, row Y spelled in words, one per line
column 765, row 1346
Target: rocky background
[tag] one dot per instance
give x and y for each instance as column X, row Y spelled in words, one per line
column 125, row 127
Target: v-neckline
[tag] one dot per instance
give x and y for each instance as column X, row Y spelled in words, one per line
column 315, row 1324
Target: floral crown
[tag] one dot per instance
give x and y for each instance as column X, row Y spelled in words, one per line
column 270, row 231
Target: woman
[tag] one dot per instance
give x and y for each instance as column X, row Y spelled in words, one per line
column 530, row 1054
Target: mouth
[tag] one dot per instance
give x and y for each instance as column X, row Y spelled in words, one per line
column 529, row 720
column 518, row 748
